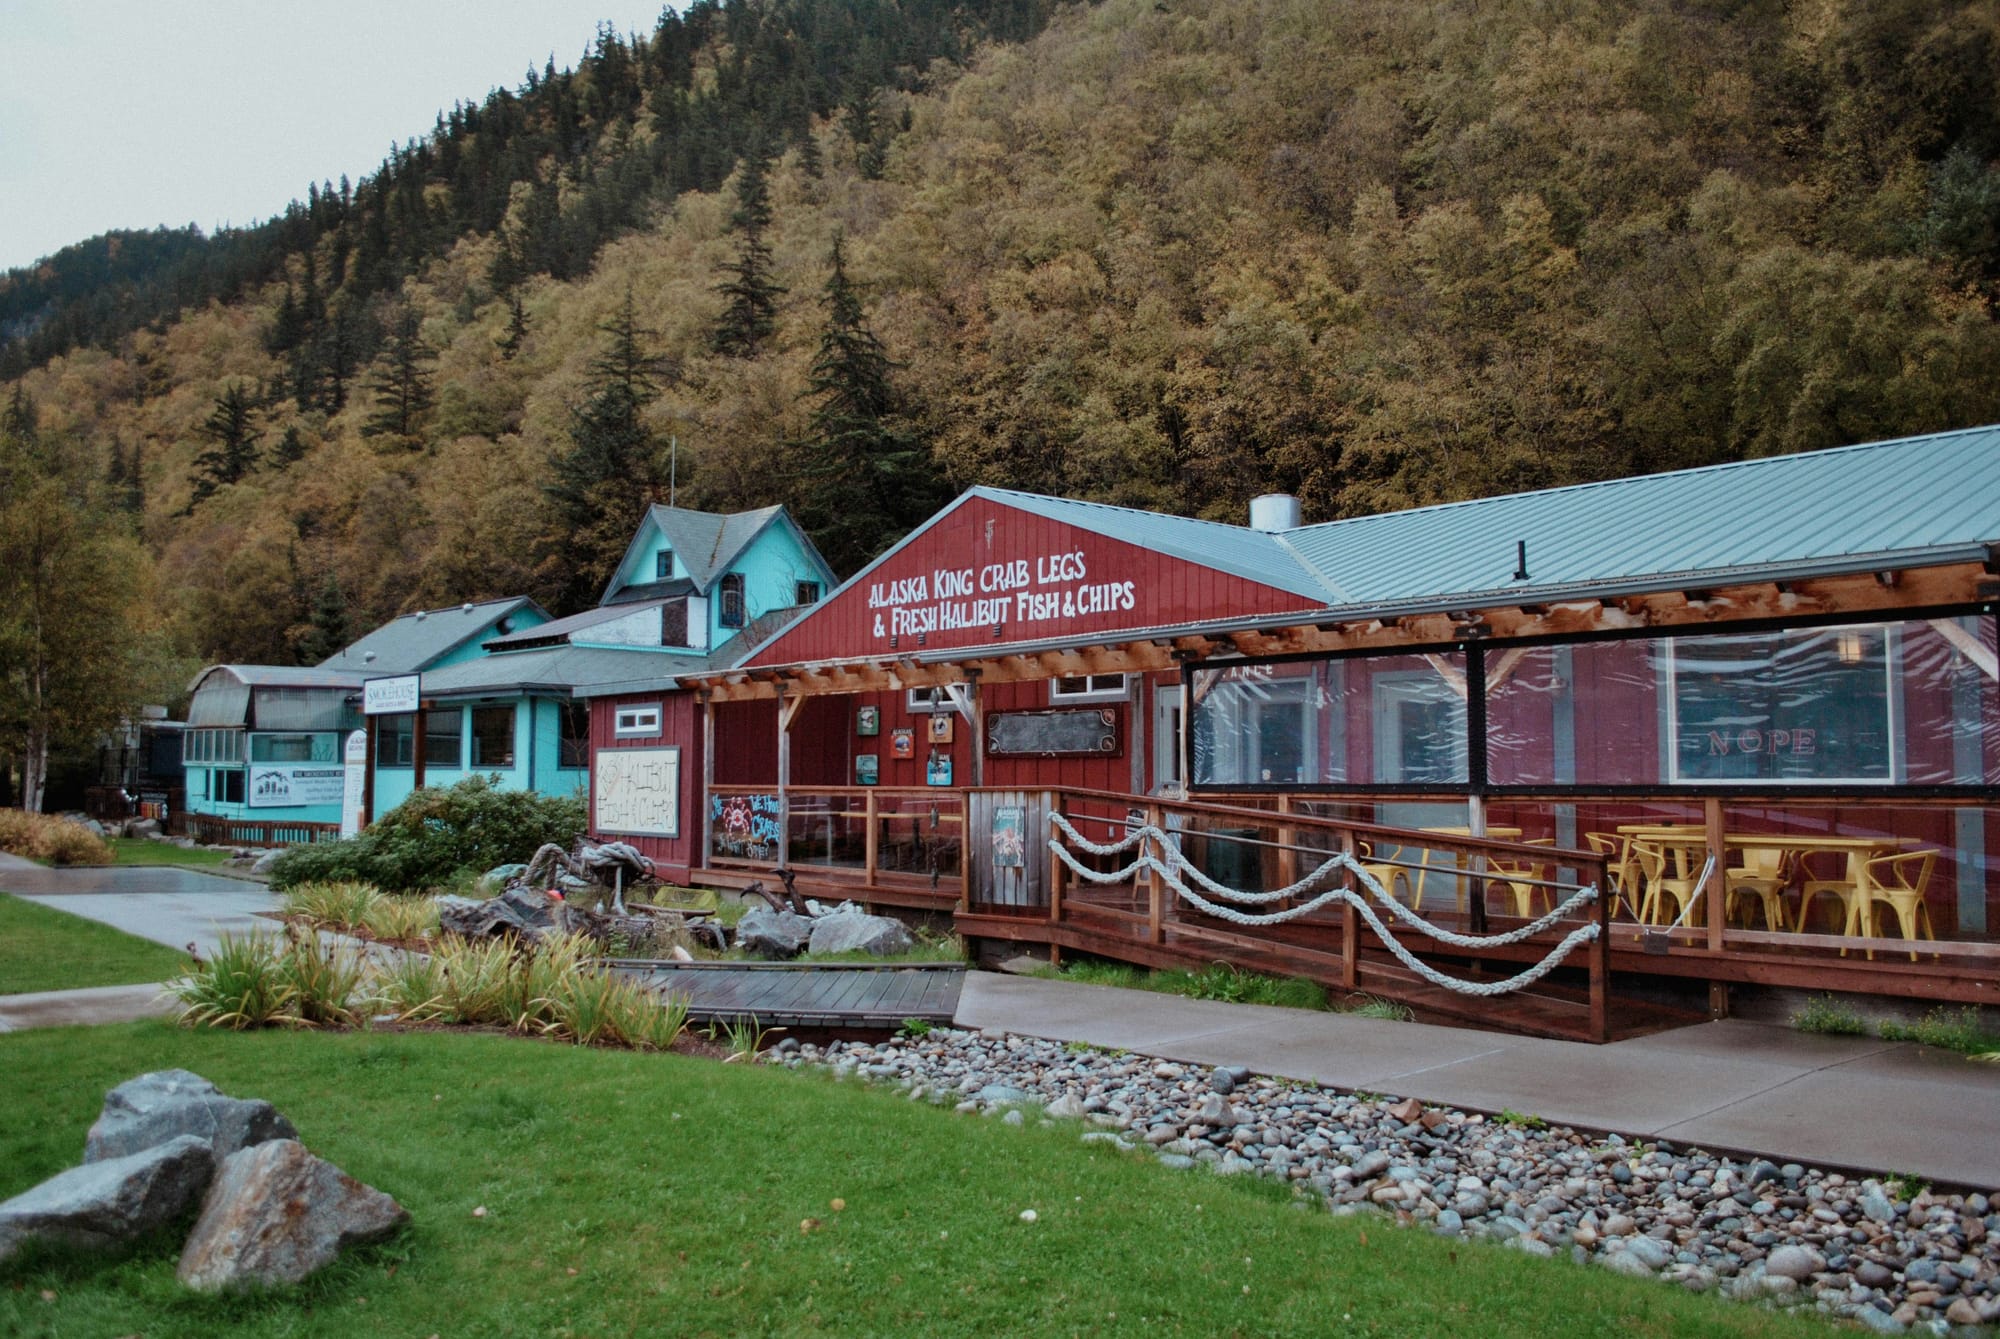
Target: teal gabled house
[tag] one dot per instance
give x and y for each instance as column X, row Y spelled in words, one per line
column 689, row 587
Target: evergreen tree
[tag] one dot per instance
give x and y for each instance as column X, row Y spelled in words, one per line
column 291, row 447
column 865, row 477
column 134, row 499
column 327, row 629
column 402, row 385
column 517, row 328
column 611, row 471
column 750, row 311
column 232, row 451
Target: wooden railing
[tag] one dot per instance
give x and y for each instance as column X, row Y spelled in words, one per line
column 212, row 830
column 909, row 838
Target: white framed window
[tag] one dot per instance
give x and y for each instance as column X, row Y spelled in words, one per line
column 637, row 722
column 1088, row 688
column 934, row 698
column 663, row 564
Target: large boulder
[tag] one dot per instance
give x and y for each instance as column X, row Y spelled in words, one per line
column 773, row 934
column 265, row 861
column 143, row 827
column 156, row 1108
column 275, row 1214
column 849, row 929
column 105, row 1204
column 516, row 910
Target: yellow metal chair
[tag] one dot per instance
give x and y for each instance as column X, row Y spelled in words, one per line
column 1621, row 867
column 1389, row 876
column 1847, row 889
column 1760, row 881
column 1892, row 886
column 1666, row 876
column 1516, row 878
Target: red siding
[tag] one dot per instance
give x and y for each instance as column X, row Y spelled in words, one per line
column 994, row 545
column 680, row 724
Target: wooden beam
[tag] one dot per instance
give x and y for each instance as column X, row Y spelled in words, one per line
column 1968, row 646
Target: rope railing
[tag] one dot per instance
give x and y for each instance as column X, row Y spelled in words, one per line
column 1175, row 869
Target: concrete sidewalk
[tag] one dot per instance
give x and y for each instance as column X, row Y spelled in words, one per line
column 1836, row 1101
column 166, row 904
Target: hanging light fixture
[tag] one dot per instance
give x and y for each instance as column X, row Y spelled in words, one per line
column 1848, row 646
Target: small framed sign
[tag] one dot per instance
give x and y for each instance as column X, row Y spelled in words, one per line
column 941, row 727
column 902, row 742
column 868, row 721
column 867, row 769
column 392, row 696
column 937, row 772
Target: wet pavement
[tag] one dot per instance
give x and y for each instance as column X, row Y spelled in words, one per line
column 165, row 904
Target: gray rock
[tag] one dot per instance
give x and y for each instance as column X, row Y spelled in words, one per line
column 1002, row 1093
column 495, row 880
column 1871, row 1274
column 103, row 1204
column 1653, row 1252
column 1371, row 1164
column 142, row 827
column 1625, row 1262
column 1221, row 1082
column 1066, row 1107
column 1881, row 1322
column 157, row 1108
column 773, row 934
column 1877, row 1206
column 263, row 863
column 848, row 931
column 275, row 1214
column 1797, row 1263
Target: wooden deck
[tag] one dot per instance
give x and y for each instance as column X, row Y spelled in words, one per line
column 784, row 994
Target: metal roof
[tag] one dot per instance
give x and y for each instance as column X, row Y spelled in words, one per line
column 1254, row 555
column 559, row 629
column 1913, row 500
column 562, row 670
column 707, row 542
column 283, row 676
column 410, row 642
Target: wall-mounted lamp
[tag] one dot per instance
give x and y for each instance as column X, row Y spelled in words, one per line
column 1848, row 646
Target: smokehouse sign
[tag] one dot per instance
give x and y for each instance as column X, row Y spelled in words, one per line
column 1018, row 594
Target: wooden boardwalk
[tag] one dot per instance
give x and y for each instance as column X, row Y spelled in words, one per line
column 784, row 994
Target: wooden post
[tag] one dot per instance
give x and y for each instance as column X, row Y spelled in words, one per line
column 1057, row 871
column 1156, row 910
column 1714, row 894
column 1600, row 954
column 785, row 708
column 707, row 825
column 871, row 843
column 422, row 744
column 1288, row 840
column 1350, row 923
column 976, row 722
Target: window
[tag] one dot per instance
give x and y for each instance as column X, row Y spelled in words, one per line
column 394, row 740
column 205, row 746
column 807, row 593
column 493, row 737
column 1087, row 688
column 226, row 787
column 732, row 600
column 573, row 735
column 928, row 699
column 637, row 722
column 441, row 737
column 1810, row 705
column 663, row 564
column 293, row 748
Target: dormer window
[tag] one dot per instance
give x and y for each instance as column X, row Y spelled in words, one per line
column 663, row 564
column 808, row 593
column 731, row 614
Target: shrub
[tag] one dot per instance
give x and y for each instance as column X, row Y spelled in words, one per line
column 403, row 919
column 1959, row 1030
column 412, row 987
column 1831, row 1017
column 337, row 903
column 436, row 836
column 323, row 984
column 476, row 985
column 57, row 841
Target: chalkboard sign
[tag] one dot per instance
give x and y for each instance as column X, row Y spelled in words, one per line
column 1051, row 734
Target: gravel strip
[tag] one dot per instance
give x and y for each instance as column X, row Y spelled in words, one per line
column 1891, row 1256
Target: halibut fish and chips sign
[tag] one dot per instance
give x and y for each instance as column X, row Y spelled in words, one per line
column 1020, row 593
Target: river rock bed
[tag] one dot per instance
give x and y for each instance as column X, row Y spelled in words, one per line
column 1889, row 1255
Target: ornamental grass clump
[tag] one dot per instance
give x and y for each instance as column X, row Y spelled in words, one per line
column 325, row 985
column 338, row 904
column 477, row 984
column 411, row 988
column 402, row 919
column 54, row 841
column 241, row 986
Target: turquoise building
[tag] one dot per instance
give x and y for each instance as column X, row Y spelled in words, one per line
column 503, row 687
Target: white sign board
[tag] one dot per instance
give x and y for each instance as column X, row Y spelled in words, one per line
column 638, row 792
column 355, row 787
column 288, row 785
column 391, row 697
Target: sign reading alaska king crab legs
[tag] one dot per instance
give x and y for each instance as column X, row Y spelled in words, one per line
column 1050, row 588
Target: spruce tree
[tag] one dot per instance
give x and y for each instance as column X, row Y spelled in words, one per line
column 291, row 447
column 232, row 451
column 327, row 629
column 865, row 476
column 611, row 471
column 750, row 311
column 401, row 384
column 517, row 328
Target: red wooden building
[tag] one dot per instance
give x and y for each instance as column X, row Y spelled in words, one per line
column 1761, row 697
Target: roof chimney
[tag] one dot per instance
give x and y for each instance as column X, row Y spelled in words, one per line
column 1274, row 511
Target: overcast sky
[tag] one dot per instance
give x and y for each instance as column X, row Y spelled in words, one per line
column 134, row 113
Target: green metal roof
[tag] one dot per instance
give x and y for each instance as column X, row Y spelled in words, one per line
column 410, row 642
column 563, row 670
column 1914, row 500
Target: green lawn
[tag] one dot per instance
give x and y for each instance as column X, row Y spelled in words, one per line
column 630, row 1194
column 145, row 851
column 42, row 949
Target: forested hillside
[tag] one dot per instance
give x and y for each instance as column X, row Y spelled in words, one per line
column 855, row 255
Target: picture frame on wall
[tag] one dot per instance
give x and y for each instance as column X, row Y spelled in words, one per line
column 868, row 721
column 941, row 727
column 902, row 742
column 937, row 772
column 867, row 769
